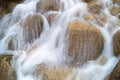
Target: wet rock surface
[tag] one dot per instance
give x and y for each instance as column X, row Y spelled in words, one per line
column 53, row 72
column 6, row 71
column 51, row 17
column 95, row 6
column 47, row 5
column 116, row 43
column 6, row 6
column 115, row 10
column 32, row 27
column 115, row 75
column 116, row 1
column 85, row 42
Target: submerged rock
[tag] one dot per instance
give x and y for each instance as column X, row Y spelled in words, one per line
column 116, row 1
column 3, row 12
column 30, row 30
column 85, row 42
column 51, row 17
column 87, row 0
column 115, row 10
column 115, row 75
column 7, row 6
column 47, row 5
column 53, row 73
column 90, row 17
column 32, row 26
column 95, row 6
column 6, row 71
column 116, row 43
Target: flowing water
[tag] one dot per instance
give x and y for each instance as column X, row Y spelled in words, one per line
column 49, row 48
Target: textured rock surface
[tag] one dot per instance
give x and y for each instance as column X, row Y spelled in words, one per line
column 47, row 5
column 116, row 43
column 116, row 73
column 85, row 42
column 6, row 6
column 116, row 1
column 95, row 6
column 32, row 27
column 53, row 73
column 6, row 71
column 87, row 0
column 115, row 10
column 51, row 17
column 90, row 17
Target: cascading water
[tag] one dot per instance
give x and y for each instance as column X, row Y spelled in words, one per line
column 47, row 46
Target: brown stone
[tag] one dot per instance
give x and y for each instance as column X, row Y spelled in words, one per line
column 53, row 73
column 6, row 6
column 87, row 0
column 51, row 17
column 118, row 22
column 95, row 6
column 47, row 5
column 116, row 43
column 119, row 16
column 115, row 10
column 115, row 75
column 12, row 5
column 31, row 28
column 90, row 17
column 102, row 17
column 6, row 71
column 85, row 42
column 3, row 12
column 116, row 1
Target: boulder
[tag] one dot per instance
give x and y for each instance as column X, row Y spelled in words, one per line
column 53, row 72
column 87, row 0
column 12, row 5
column 3, row 12
column 102, row 17
column 116, row 43
column 85, row 42
column 6, row 70
column 115, row 75
column 119, row 16
column 95, row 6
column 116, row 1
column 99, row 18
column 30, row 30
column 32, row 26
column 90, row 17
column 51, row 17
column 114, row 10
column 47, row 5
column 7, row 6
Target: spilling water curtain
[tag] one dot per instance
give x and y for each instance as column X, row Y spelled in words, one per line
column 61, row 40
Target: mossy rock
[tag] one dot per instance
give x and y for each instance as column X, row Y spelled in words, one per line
column 6, row 70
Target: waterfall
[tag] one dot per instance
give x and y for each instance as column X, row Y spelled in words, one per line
column 35, row 41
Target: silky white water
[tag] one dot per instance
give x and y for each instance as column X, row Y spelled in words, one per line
column 49, row 48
